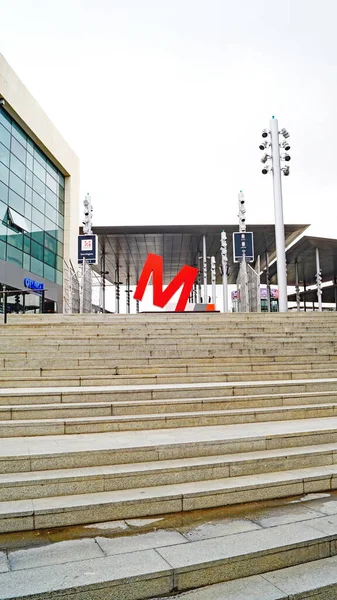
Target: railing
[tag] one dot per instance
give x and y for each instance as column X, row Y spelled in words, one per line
column 5, row 293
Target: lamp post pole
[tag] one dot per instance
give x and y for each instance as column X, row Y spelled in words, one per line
column 224, row 267
column 279, row 224
column 275, row 144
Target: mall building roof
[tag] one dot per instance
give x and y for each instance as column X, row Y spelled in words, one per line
column 127, row 247
column 303, row 252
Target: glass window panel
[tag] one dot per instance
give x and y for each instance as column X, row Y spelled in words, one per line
column 4, row 174
column 26, row 243
column 16, row 184
column 4, row 155
column 60, row 235
column 59, row 278
column 36, row 250
column 39, row 187
column 39, row 170
column 29, row 177
column 26, row 262
column 38, row 202
column 59, row 263
column 2, row 250
column 51, row 198
column 51, row 183
column 5, row 120
column 49, row 258
column 18, row 167
column 5, row 137
column 36, row 266
column 52, row 170
column 3, row 221
column 38, row 218
column 50, row 227
column 40, row 157
column 51, row 213
column 30, row 145
column 37, row 236
column 15, row 201
column 3, row 231
column 61, row 208
column 3, row 192
column 29, row 161
column 3, row 211
column 59, row 249
column 19, row 134
column 18, row 150
column 61, row 193
column 61, row 180
column 49, row 272
column 28, row 211
column 14, row 255
column 28, row 194
column 61, row 221
column 16, row 220
column 50, row 243
column 15, row 239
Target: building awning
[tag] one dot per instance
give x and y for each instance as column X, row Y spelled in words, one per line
column 329, row 295
column 303, row 253
column 126, row 248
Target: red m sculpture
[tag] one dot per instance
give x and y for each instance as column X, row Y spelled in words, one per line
column 154, row 266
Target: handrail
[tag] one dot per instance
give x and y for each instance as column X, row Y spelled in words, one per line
column 20, row 291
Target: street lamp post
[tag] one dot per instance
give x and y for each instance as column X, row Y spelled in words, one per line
column 271, row 139
column 224, row 270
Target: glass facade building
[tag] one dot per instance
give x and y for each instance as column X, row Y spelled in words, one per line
column 31, row 205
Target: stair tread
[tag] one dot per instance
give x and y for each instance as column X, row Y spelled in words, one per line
column 162, row 416
column 163, row 386
column 101, row 470
column 161, row 438
column 281, row 584
column 186, row 557
column 171, row 491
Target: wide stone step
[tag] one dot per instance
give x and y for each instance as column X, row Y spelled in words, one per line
column 316, row 580
column 53, row 395
column 158, row 378
column 59, row 482
column 165, row 563
column 29, row 342
column 118, row 448
column 161, row 368
column 59, row 362
column 62, row 511
column 58, row 421
column 143, row 407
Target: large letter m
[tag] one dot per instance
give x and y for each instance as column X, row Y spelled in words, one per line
column 154, row 266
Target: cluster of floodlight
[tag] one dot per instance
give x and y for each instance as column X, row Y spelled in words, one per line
column 284, row 145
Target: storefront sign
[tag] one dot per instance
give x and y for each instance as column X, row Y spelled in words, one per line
column 33, row 285
column 154, row 266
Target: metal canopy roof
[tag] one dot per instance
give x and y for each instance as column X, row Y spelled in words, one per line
column 329, row 295
column 129, row 246
column 304, row 253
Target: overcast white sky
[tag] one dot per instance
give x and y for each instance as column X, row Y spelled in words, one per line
column 164, row 102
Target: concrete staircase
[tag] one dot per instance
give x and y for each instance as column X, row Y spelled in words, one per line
column 117, row 417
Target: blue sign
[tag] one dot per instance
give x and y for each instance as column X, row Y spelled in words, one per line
column 87, row 249
column 33, row 285
column 239, row 239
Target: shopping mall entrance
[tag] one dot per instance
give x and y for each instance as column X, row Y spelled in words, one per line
column 14, row 301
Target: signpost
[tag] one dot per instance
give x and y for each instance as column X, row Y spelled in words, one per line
column 246, row 250
column 87, row 249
